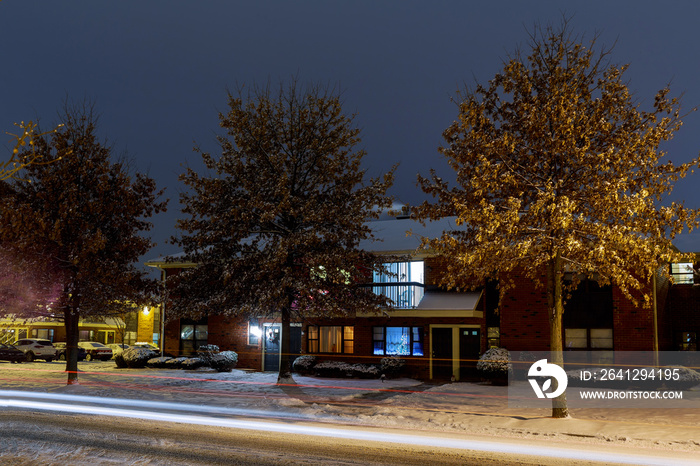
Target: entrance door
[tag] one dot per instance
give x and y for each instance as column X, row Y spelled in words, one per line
column 272, row 336
column 441, row 341
column 469, row 346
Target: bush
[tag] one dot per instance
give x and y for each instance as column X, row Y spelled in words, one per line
column 392, row 366
column 220, row 361
column 119, row 361
column 224, row 361
column 688, row 378
column 343, row 369
column 191, row 364
column 158, row 363
column 206, row 353
column 175, row 363
column 495, row 366
column 304, row 365
column 137, row 358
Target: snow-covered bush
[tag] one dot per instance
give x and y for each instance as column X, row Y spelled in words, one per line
column 332, row 369
column 119, row 360
column 366, row 371
column 224, row 361
column 206, row 353
column 159, row 362
column 344, row 369
column 688, row 378
column 521, row 366
column 392, row 366
column 191, row 364
column 304, row 365
column 175, row 363
column 137, row 358
column 221, row 361
column 495, row 366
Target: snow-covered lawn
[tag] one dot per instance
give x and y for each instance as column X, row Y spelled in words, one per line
column 479, row 409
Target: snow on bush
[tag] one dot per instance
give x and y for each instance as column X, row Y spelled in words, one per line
column 220, row 361
column 175, row 363
column 119, row 360
column 688, row 378
column 495, row 366
column 344, row 369
column 159, row 362
column 224, row 361
column 392, row 366
column 304, row 365
column 191, row 364
column 137, row 358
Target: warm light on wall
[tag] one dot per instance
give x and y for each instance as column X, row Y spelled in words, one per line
column 145, row 310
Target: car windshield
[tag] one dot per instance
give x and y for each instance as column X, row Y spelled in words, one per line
column 97, row 345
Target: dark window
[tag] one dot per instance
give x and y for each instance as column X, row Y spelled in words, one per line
column 192, row 336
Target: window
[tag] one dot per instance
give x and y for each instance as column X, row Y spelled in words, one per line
column 403, row 283
column 688, row 341
column 682, row 273
column 192, row 336
column 331, row 339
column 588, row 338
column 43, row 333
column 493, row 335
column 254, row 332
column 397, row 341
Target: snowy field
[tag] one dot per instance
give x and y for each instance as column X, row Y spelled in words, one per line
column 408, row 404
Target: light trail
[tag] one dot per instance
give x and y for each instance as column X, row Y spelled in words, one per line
column 11, row 399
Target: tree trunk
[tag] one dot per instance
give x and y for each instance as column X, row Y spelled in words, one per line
column 555, row 276
column 285, row 373
column 72, row 319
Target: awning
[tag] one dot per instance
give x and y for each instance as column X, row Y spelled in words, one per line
column 449, row 300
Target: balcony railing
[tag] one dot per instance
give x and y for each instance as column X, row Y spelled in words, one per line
column 403, row 295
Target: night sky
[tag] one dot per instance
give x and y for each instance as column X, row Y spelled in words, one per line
column 158, row 71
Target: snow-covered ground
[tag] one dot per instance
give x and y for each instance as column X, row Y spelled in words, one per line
column 474, row 408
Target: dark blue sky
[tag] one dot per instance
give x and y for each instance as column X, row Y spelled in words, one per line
column 158, row 71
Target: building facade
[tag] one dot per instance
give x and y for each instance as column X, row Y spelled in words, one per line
column 441, row 334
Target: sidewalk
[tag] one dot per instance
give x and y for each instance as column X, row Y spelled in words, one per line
column 474, row 408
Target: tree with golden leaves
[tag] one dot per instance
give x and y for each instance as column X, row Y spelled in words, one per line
column 21, row 158
column 559, row 170
column 276, row 225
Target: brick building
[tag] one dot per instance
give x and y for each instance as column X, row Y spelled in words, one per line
column 441, row 333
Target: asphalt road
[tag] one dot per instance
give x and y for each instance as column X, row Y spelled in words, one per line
column 33, row 438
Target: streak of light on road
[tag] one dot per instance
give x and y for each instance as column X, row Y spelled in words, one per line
column 77, row 405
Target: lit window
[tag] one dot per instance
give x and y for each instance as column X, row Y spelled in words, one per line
column 682, row 273
column 397, row 341
column 331, row 339
column 402, row 282
column 493, row 336
column 588, row 338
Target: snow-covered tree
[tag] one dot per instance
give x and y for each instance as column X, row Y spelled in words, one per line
column 77, row 219
column 277, row 223
column 559, row 170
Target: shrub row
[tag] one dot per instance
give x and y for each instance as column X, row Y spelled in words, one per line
column 388, row 367
column 208, row 355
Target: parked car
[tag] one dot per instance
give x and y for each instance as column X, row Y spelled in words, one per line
column 118, row 348
column 36, row 349
column 61, row 351
column 12, row 354
column 95, row 350
column 150, row 346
